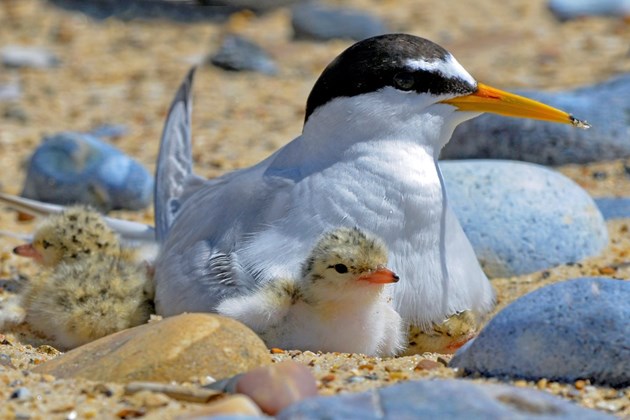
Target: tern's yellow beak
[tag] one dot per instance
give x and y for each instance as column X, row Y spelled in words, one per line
column 489, row 99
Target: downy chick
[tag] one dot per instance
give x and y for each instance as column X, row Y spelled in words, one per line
column 89, row 286
column 339, row 303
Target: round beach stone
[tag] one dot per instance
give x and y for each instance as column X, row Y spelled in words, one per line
column 71, row 167
column 576, row 329
column 311, row 20
column 572, row 9
column 440, row 399
column 522, row 217
column 240, row 54
column 497, row 137
column 174, row 349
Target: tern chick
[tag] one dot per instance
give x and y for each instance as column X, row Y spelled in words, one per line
column 89, row 286
column 338, row 304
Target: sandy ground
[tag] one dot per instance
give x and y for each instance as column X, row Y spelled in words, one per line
column 126, row 73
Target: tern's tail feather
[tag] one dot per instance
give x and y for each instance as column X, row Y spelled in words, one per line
column 126, row 229
column 174, row 164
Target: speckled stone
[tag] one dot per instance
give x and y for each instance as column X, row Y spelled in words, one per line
column 440, row 399
column 71, row 167
column 576, row 329
column 174, row 349
column 522, row 217
column 497, row 137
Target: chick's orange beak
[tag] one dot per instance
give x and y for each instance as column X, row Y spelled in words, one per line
column 26, row 250
column 496, row 101
column 380, row 276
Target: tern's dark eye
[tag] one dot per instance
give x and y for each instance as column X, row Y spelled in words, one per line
column 404, row 80
column 341, row 268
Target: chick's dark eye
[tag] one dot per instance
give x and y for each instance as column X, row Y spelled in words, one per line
column 404, row 80
column 341, row 268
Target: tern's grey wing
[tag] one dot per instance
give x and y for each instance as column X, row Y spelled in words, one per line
column 211, row 276
column 174, row 164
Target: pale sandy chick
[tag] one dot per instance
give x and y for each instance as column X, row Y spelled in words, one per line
column 90, row 285
column 339, row 304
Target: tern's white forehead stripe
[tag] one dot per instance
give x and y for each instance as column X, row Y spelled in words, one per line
column 449, row 67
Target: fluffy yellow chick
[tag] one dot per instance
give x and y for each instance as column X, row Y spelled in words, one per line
column 89, row 286
column 338, row 304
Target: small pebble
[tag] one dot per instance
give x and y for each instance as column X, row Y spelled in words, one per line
column 32, row 57
column 70, row 167
column 277, row 386
column 21, row 393
column 573, row 9
column 239, row 54
column 319, row 22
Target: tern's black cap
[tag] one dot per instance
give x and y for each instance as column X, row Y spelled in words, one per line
column 381, row 61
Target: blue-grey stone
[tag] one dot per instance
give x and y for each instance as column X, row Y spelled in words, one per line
column 576, row 329
column 497, row 137
column 318, row 22
column 72, row 167
column 571, row 9
column 613, row 207
column 239, row 54
column 23, row 56
column 522, row 217
column 440, row 399
column 10, row 91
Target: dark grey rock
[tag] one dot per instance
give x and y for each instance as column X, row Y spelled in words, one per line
column 440, row 399
column 572, row 9
column 72, row 167
column 576, row 329
column 318, row 22
column 176, row 10
column 33, row 57
column 521, row 217
column 239, row 54
column 614, row 208
column 493, row 136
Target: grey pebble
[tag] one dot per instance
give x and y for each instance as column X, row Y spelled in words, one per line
column 71, row 167
column 240, row 54
column 21, row 393
column 440, row 399
column 572, row 9
column 614, row 207
column 33, row 57
column 318, row 22
column 522, row 217
column 575, row 329
column 497, row 137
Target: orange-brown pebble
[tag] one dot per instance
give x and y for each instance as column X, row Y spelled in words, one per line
column 607, row 270
column 328, row 378
column 580, row 384
column 542, row 383
column 427, row 364
column 276, row 350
